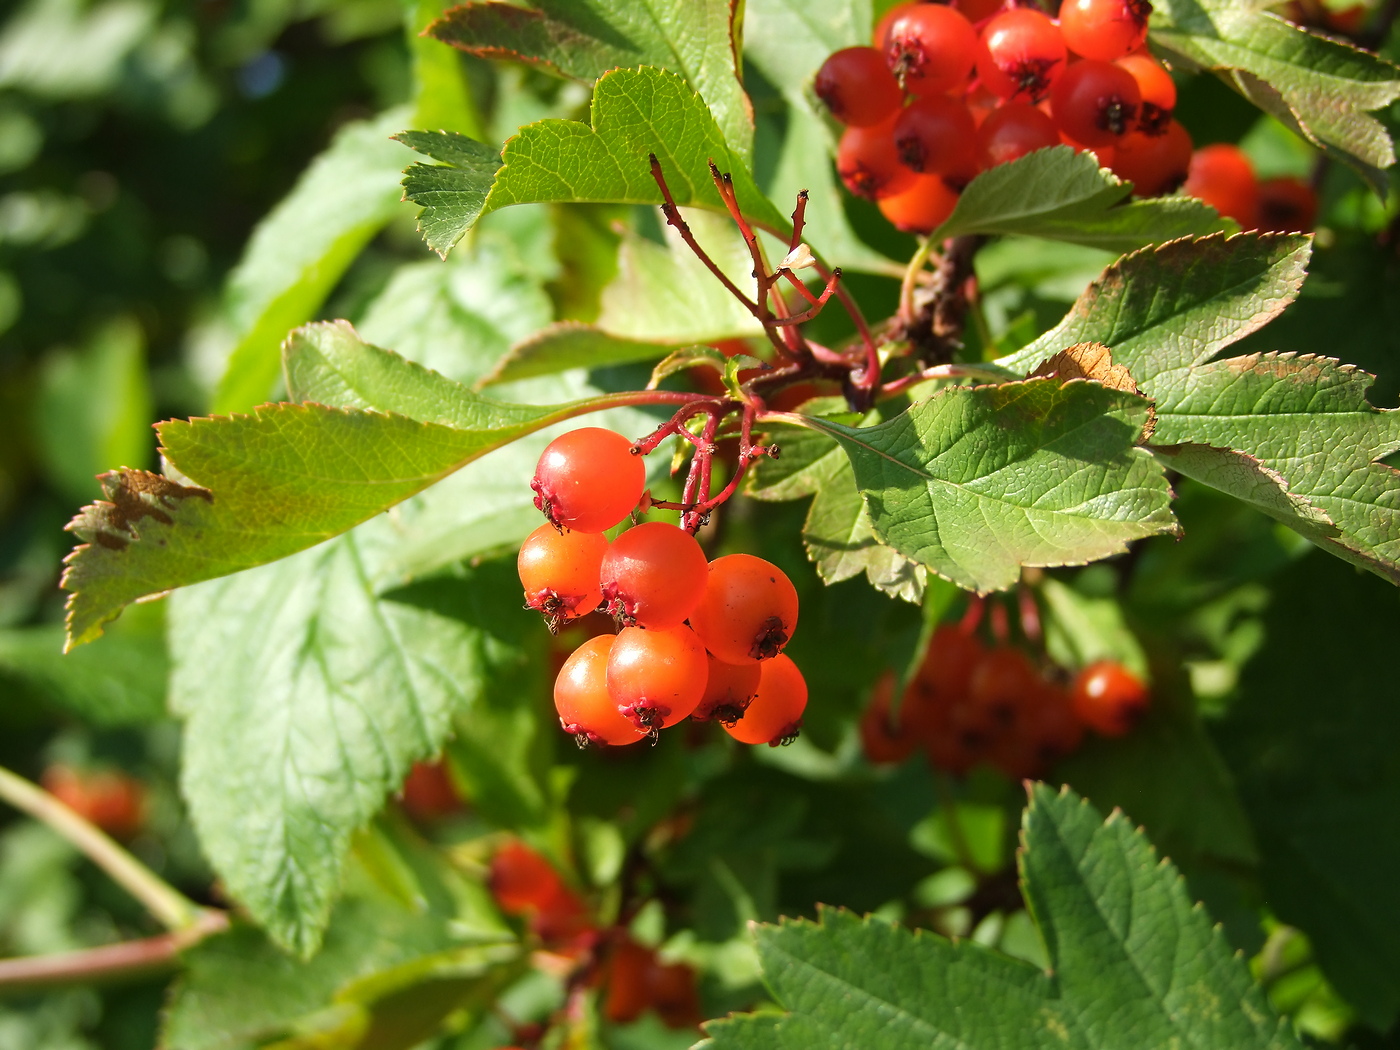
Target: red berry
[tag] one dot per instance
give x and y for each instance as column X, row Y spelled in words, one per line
column 1108, row 698
column 656, row 678
column 978, row 10
column 588, row 480
column 881, row 36
column 885, row 739
column 1157, row 88
column 1022, row 54
column 775, row 716
column 949, row 662
column 428, row 793
column 1012, row 131
column 748, row 611
column 559, row 571
column 922, row 207
column 1223, row 177
column 1095, row 103
column 1001, row 684
column 114, row 801
column 857, row 86
column 1104, row 29
column 1154, row 164
column 581, row 697
column 868, row 161
column 1286, row 205
column 935, row 135
column 932, row 47
column 729, row 689
column 521, row 880
column 653, row 575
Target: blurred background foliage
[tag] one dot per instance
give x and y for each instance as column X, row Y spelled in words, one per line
column 142, row 141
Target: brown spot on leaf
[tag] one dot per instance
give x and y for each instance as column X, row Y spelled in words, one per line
column 131, row 496
column 1094, row 361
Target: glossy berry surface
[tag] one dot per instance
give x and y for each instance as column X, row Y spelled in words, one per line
column 586, row 709
column 856, row 85
column 653, row 575
column 922, row 207
column 1108, row 698
column 656, row 678
column 559, row 571
column 1157, row 89
column 729, row 689
column 1154, row 164
column 1104, row 29
column 1095, row 103
column 1022, row 54
column 932, row 47
column 1223, row 177
column 775, row 716
column 867, row 160
column 1286, row 205
column 935, row 135
column 748, row 611
column 1013, row 130
column 588, row 479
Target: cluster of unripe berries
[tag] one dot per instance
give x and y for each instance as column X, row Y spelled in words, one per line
column 951, row 89
column 969, row 704
column 699, row 639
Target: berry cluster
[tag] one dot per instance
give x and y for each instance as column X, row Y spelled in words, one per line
column 1223, row 177
column 950, row 90
column 700, row 639
column 969, row 703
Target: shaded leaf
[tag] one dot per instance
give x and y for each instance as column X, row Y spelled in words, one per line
column 569, row 345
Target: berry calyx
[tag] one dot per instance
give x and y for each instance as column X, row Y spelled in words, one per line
column 1022, row 54
column 748, row 611
column 775, row 716
column 559, row 570
column 653, row 575
column 656, row 678
column 931, row 48
column 588, row 480
column 1104, row 29
column 857, row 87
column 729, row 689
column 1154, row 164
column 1108, row 698
column 1095, row 103
column 586, row 709
column 1157, row 88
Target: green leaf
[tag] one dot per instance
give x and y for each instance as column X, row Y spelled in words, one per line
column 1308, row 424
column 1080, row 630
column 302, row 248
column 567, row 345
column 1064, row 195
column 1319, row 86
column 288, row 476
column 1312, row 741
column 1132, row 963
column 453, row 192
column 978, row 481
column 584, row 39
column 635, row 112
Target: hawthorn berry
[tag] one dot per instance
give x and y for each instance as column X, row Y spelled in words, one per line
column 1108, row 698
column 112, row 800
column 922, row 207
column 1154, row 164
column 857, row 87
column 653, row 575
column 1104, row 29
column 637, row 980
column 729, row 689
column 1002, row 681
column 428, row 793
column 748, row 611
column 1223, row 177
column 1095, row 103
column 656, row 678
column 588, row 480
column 559, row 570
column 931, row 47
column 935, row 134
column 525, row 884
column 1286, row 205
column 586, row 709
column 1013, row 130
column 775, row 716
column 1022, row 54
column 867, row 160
column 1157, row 88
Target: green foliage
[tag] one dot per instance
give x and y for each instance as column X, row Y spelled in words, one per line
column 1131, row 961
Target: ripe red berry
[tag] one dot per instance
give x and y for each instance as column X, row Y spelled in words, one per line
column 428, row 793
column 656, row 678
column 775, row 716
column 978, row 10
column 921, row 208
column 1002, row 682
column 1104, row 29
column 653, row 575
column 729, row 689
column 1286, row 205
column 1154, row 164
column 581, row 697
column 868, row 161
column 1223, row 177
column 559, row 571
column 588, row 480
column 935, row 135
column 1157, row 88
column 1095, row 103
column 637, row 980
column 748, row 611
column 949, row 662
column 857, row 86
column 114, row 801
column 1108, row 698
column 1012, row 131
column 526, row 884
column 884, row 737
column 932, row 47
column 881, row 36
column 1022, row 54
